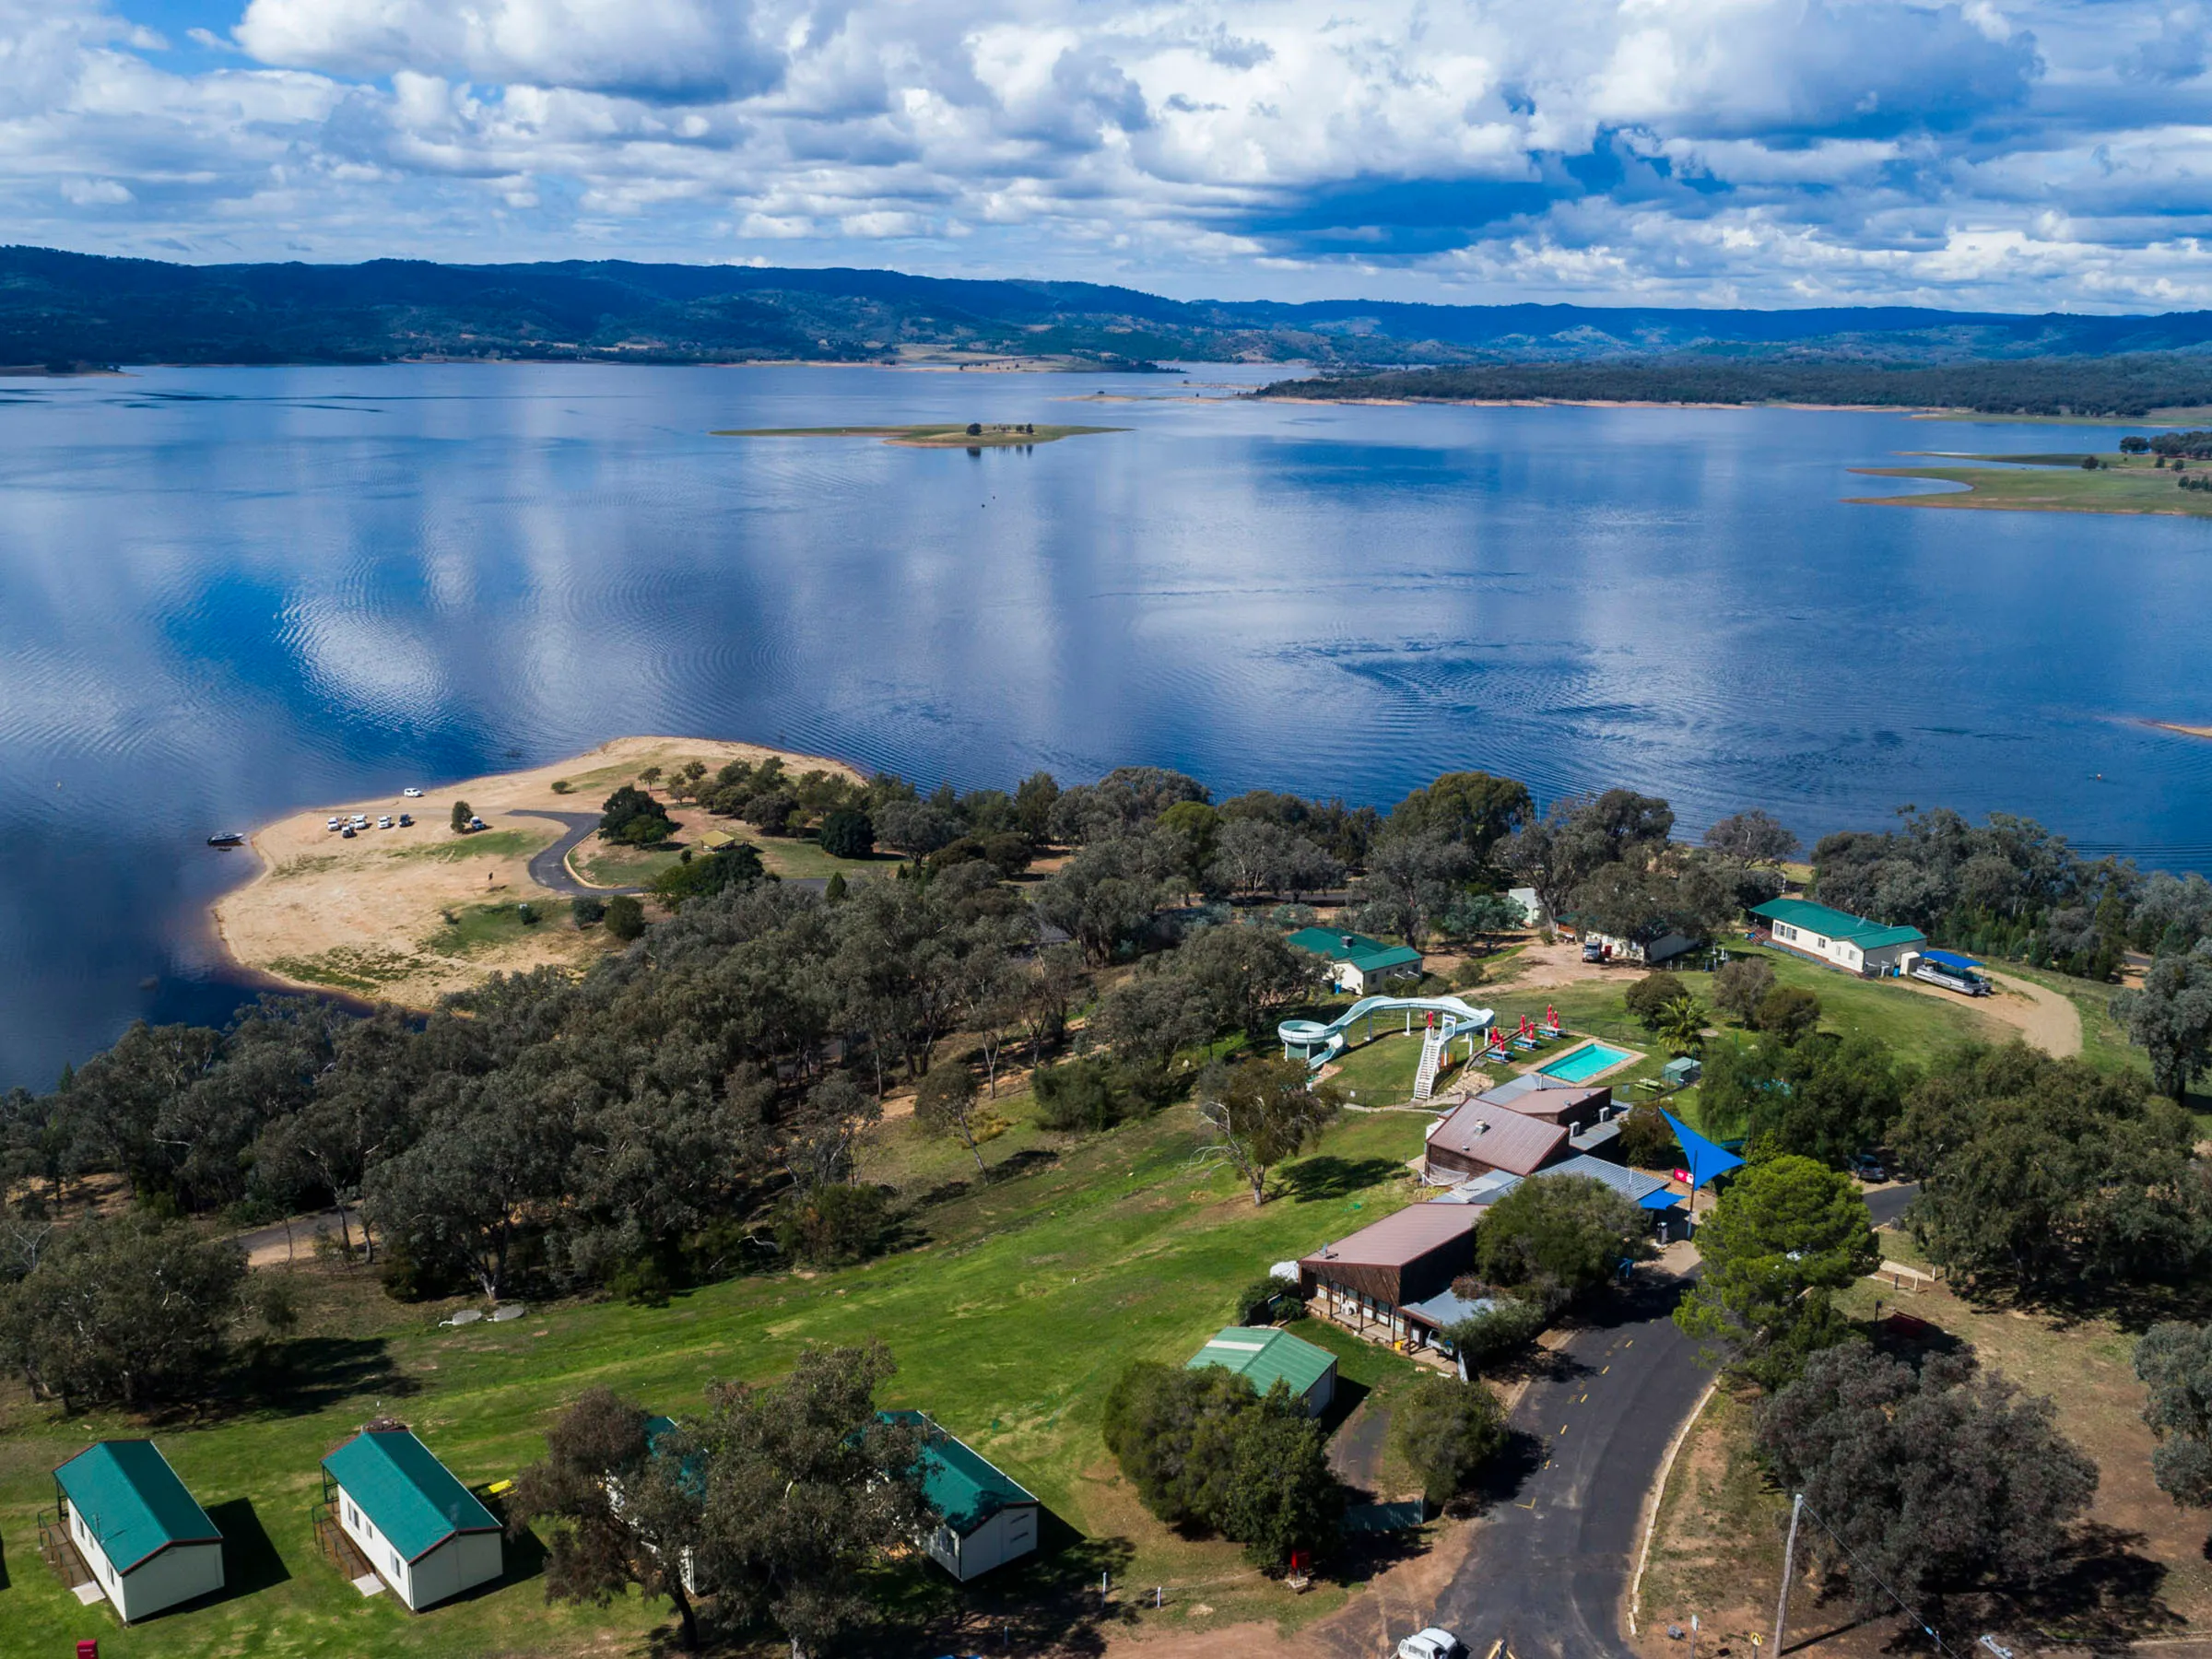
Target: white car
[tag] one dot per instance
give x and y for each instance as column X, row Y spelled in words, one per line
column 412, row 793
column 384, row 822
column 1432, row 1643
column 336, row 824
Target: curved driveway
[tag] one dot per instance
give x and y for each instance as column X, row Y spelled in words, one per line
column 549, row 868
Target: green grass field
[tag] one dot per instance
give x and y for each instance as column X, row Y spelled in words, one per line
column 1010, row 1315
column 484, row 843
column 481, row 926
column 2049, row 483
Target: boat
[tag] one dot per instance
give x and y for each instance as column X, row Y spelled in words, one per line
column 230, row 838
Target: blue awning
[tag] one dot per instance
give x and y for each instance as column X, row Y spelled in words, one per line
column 1660, row 1200
column 1704, row 1159
column 1949, row 958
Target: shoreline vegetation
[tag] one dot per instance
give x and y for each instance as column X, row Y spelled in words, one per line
column 973, row 436
column 2118, row 483
column 408, row 916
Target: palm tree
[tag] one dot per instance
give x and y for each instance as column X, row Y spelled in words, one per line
column 1682, row 1025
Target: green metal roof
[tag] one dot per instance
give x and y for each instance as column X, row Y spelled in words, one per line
column 1332, row 943
column 1836, row 923
column 1396, row 956
column 412, row 1498
column 1260, row 1356
column 960, row 1483
column 133, row 1502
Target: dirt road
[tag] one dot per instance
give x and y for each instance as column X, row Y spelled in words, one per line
column 2046, row 1020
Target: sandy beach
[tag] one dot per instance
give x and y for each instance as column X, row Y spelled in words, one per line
column 407, row 915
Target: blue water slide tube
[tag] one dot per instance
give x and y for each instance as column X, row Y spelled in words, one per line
column 1321, row 1043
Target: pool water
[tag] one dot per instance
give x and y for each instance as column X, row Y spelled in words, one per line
column 1585, row 1062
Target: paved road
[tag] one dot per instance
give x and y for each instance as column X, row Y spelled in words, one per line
column 1550, row 1567
column 1886, row 1203
column 549, row 870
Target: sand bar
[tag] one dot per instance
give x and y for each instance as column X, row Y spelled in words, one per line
column 408, row 916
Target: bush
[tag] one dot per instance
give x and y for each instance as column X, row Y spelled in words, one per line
column 631, row 818
column 1446, row 1430
column 1088, row 1093
column 462, row 812
column 1559, row 1236
column 1788, row 1013
column 588, row 910
column 625, row 918
column 737, row 866
column 1256, row 1303
column 1740, row 985
column 1646, row 1141
column 847, row 833
column 1488, row 1337
column 826, row 1225
column 1648, row 997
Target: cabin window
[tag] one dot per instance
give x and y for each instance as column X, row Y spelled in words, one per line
column 396, row 1567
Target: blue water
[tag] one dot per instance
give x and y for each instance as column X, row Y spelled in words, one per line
column 1585, row 1062
column 227, row 593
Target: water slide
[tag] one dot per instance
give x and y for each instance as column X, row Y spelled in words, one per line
column 1321, row 1043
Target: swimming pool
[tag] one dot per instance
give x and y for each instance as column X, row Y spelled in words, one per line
column 1585, row 1062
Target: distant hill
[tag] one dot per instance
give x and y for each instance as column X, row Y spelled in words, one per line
column 75, row 309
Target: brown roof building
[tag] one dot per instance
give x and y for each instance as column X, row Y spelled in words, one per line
column 1575, row 1105
column 1478, row 1138
column 1402, row 1258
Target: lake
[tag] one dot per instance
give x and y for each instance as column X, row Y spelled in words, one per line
column 228, row 593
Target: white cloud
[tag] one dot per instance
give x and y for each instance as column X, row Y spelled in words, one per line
column 1770, row 151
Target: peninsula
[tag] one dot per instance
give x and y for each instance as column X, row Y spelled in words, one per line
column 2052, row 483
column 407, row 914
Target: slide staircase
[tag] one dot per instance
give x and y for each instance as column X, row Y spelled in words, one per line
column 1432, row 1061
column 1318, row 1043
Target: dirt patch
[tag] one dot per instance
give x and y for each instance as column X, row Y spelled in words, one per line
column 406, row 915
column 2046, row 1020
column 1561, row 963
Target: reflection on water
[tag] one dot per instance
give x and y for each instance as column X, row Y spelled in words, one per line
column 228, row 593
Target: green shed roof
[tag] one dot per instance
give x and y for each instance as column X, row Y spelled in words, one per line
column 412, row 1498
column 1836, row 923
column 960, row 1483
column 133, row 1502
column 1336, row 943
column 1261, row 1356
column 1395, row 956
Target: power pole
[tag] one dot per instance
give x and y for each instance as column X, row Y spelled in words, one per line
column 1789, row 1565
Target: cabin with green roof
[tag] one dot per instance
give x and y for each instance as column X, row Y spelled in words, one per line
column 143, row 1537
column 1358, row 963
column 423, row 1532
column 1263, row 1357
column 1836, row 937
column 988, row 1517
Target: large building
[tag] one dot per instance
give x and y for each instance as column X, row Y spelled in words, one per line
column 1570, row 1105
column 1477, row 1138
column 1355, row 962
column 989, row 1517
column 1835, row 938
column 1368, row 1279
column 1263, row 1357
column 147, row 1540
column 425, row 1534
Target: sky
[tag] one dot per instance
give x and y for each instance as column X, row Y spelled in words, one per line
column 2054, row 154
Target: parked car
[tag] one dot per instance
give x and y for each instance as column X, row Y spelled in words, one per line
column 336, row 823
column 350, row 832
column 477, row 823
column 1592, row 952
column 1432, row 1643
column 412, row 793
column 407, row 820
column 1868, row 1168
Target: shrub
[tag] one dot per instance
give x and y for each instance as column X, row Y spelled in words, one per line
column 588, row 910
column 1788, row 1012
column 625, row 918
column 1088, row 1093
column 1740, row 985
column 1256, row 1303
column 1646, row 1141
column 831, row 1224
column 1446, row 1430
column 1502, row 1331
column 462, row 812
column 563, row 787
column 737, row 866
column 1648, row 997
column 847, row 832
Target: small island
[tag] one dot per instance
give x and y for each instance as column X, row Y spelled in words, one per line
column 2169, row 474
column 405, row 914
column 975, row 435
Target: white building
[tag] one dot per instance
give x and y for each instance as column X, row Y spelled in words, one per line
column 1836, row 937
column 989, row 1518
column 424, row 1533
column 149, row 1543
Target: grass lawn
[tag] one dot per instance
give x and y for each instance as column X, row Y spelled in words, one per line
column 483, row 927
column 798, row 860
column 607, row 866
column 484, row 844
column 2059, row 484
column 1010, row 1315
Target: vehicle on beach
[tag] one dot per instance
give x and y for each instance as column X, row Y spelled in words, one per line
column 336, row 823
column 230, row 838
column 384, row 822
column 477, row 823
column 411, row 793
column 350, row 832
column 407, row 820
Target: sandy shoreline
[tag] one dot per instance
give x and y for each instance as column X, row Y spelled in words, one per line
column 408, row 916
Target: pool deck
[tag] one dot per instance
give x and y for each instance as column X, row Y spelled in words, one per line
column 1628, row 1057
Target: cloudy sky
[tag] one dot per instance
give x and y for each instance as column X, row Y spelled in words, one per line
column 2047, row 155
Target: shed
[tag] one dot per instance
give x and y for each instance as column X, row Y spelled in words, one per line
column 145, row 1537
column 1836, row 937
column 1681, row 1073
column 1368, row 1277
column 1358, row 963
column 989, row 1517
column 1478, row 1137
column 1263, row 1357
column 426, row 1533
column 718, row 841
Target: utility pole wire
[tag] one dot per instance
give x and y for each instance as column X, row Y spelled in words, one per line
column 1929, row 1629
